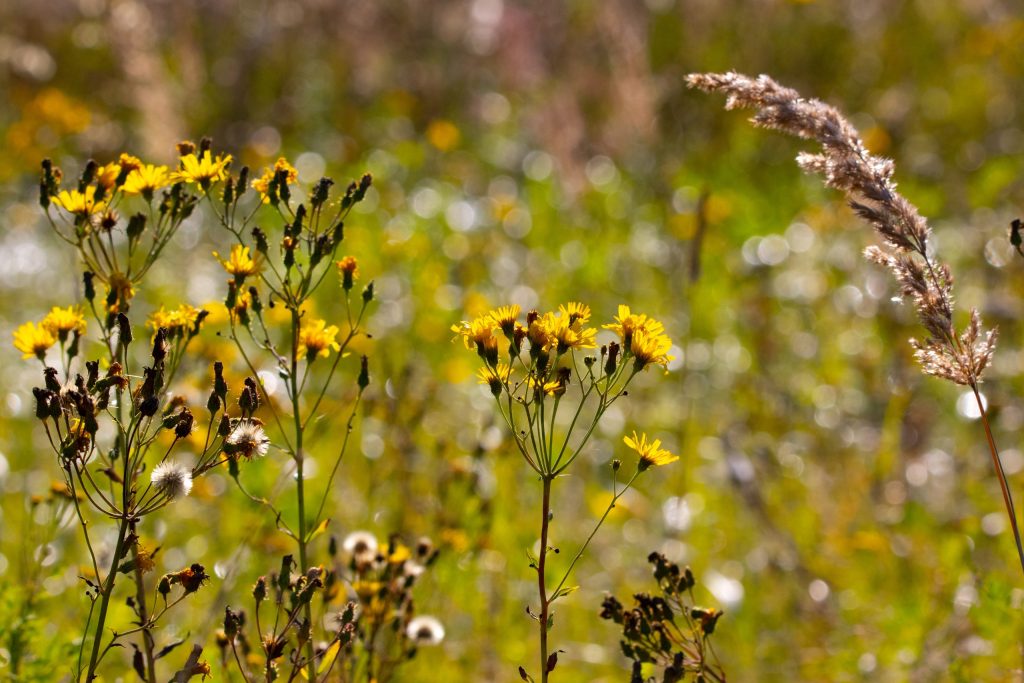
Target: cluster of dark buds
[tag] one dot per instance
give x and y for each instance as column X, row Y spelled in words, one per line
column 667, row 632
column 373, row 633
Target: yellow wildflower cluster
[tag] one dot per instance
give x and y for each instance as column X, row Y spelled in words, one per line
column 556, row 332
column 643, row 337
column 36, row 339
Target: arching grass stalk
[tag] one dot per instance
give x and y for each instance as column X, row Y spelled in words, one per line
column 960, row 357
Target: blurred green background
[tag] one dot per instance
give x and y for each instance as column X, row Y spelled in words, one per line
column 839, row 507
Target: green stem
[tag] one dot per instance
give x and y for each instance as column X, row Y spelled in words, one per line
column 108, row 589
column 300, row 483
column 544, row 615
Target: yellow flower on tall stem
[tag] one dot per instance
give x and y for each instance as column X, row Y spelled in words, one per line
column 317, row 339
column 33, row 341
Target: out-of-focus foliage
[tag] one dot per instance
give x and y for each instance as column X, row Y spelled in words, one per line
column 838, row 507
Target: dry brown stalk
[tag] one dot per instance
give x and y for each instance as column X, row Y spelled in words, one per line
column 866, row 180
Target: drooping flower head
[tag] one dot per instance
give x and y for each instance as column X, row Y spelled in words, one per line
column 316, row 338
column 172, row 479
column 495, row 377
column 479, row 335
column 33, row 341
column 651, row 453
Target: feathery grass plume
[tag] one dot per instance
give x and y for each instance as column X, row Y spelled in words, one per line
column 866, row 180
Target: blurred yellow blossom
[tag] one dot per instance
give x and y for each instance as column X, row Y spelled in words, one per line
column 317, row 339
column 61, row 321
column 33, row 341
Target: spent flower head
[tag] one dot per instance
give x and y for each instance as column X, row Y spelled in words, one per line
column 247, row 439
column 172, row 479
column 425, row 630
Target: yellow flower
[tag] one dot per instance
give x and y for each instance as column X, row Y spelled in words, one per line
column 179, row 321
column 539, row 330
column 78, row 203
column 478, row 334
column 106, row 176
column 262, row 184
column 628, row 323
column 239, row 263
column 33, row 341
column 570, row 333
column 505, row 318
column 315, row 338
column 348, row 267
column 651, row 454
column 146, row 179
column 203, row 170
column 650, row 348
column 61, row 321
column 550, row 388
column 501, row 373
column 576, row 312
column 348, row 264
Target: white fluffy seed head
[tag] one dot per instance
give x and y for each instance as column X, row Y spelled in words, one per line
column 425, row 630
column 361, row 545
column 248, row 439
column 172, row 479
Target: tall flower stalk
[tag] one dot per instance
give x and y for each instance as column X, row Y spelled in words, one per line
column 108, row 430
column 543, row 371
column 959, row 356
column 288, row 274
